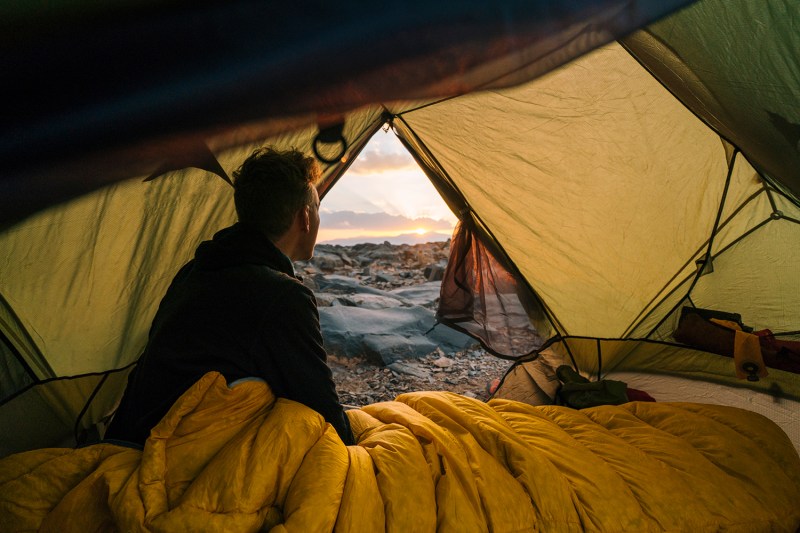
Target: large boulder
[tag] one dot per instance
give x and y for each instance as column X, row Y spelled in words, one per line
column 338, row 284
column 385, row 336
column 368, row 253
column 369, row 301
column 424, row 294
column 327, row 258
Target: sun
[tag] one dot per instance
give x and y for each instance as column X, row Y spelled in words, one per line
column 420, row 231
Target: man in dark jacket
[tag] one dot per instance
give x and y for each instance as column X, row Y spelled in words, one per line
column 238, row 308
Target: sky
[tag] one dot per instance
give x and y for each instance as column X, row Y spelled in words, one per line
column 384, row 195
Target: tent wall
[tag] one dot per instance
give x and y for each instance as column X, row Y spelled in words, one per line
column 754, row 263
column 482, row 298
column 87, row 276
column 578, row 173
column 58, row 412
column 601, row 187
column 734, row 64
column 14, row 373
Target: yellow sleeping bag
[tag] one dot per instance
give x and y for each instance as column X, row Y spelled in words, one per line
column 239, row 460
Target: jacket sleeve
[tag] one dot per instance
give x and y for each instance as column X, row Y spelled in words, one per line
column 296, row 366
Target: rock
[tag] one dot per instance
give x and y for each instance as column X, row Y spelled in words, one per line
column 387, row 335
column 409, row 368
column 434, row 272
column 307, row 269
column 325, row 299
column 384, row 277
column 344, row 285
column 443, row 362
column 327, row 262
column 310, row 282
column 424, row 294
column 376, row 301
column 343, row 300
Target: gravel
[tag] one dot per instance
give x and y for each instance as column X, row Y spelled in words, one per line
column 470, row 373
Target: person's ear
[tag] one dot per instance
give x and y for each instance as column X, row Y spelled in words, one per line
column 305, row 218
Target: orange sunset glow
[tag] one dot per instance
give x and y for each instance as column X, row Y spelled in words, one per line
column 384, row 196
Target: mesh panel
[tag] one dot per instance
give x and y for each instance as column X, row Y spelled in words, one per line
column 482, row 298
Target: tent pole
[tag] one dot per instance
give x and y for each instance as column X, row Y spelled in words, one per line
column 650, row 307
column 76, row 427
column 707, row 256
column 715, row 228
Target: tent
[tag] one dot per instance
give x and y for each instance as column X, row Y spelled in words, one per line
column 607, row 178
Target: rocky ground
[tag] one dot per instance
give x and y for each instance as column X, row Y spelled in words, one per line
column 394, row 270
column 470, row 373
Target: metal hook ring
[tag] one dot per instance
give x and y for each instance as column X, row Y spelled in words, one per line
column 342, row 145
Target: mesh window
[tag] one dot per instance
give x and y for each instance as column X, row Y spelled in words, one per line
column 482, row 298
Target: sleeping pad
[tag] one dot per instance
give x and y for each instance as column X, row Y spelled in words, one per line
column 240, row 460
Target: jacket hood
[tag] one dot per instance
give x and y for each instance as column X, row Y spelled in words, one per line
column 240, row 245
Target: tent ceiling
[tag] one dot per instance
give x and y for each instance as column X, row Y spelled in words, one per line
column 735, row 64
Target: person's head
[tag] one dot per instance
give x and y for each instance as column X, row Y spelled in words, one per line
column 275, row 193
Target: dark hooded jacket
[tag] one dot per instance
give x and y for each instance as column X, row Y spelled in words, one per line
column 238, row 309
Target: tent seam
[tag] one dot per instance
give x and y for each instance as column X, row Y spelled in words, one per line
column 656, row 303
column 63, row 378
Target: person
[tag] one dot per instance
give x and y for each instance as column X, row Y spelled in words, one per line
column 238, row 308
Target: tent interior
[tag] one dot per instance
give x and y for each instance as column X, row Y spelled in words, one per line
column 608, row 178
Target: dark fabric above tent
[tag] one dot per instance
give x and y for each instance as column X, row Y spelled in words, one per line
column 103, row 94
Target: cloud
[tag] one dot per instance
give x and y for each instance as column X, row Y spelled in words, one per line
column 385, row 178
column 374, row 162
column 379, row 222
column 406, row 238
column 348, row 227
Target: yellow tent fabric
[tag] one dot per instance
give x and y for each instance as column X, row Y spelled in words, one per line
column 238, row 459
column 601, row 188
